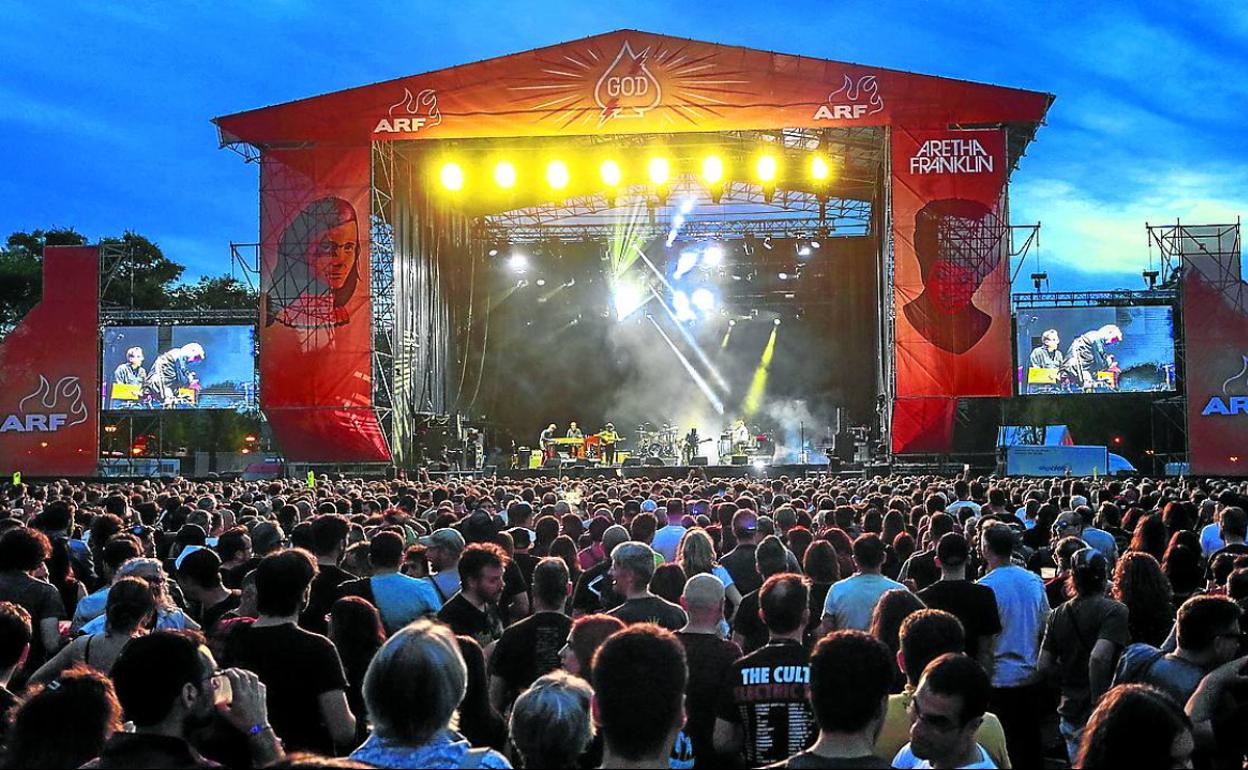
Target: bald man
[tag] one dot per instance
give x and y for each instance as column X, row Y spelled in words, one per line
column 709, row 658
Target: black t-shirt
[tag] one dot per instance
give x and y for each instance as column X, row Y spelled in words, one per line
column 232, row 577
column 41, row 599
column 595, row 591
column 768, row 694
column 922, row 569
column 971, row 603
column 466, row 620
column 749, row 625
column 709, row 660
column 528, row 649
column 744, row 570
column 526, row 562
column 651, row 609
column 1235, row 549
column 210, row 615
column 296, row 666
column 323, row 594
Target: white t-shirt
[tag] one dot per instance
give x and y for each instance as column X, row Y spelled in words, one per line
column 851, row 601
column 905, row 760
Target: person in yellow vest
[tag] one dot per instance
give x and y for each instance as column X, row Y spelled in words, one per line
column 609, row 439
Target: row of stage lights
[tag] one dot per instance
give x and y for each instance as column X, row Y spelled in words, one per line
column 658, row 172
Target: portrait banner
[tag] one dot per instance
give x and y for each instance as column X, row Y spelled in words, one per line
column 50, row 374
column 315, row 305
column 1215, row 321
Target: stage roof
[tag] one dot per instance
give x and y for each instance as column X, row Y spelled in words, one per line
column 632, row 82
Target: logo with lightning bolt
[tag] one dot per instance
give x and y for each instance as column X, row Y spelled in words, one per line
column 627, row 89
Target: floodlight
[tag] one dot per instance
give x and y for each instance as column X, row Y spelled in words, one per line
column 712, row 255
column 819, row 169
column 766, row 169
column 452, row 176
column 557, row 174
column 611, row 174
column 703, row 299
column 518, row 262
column 713, row 169
column 504, row 174
column 658, row 170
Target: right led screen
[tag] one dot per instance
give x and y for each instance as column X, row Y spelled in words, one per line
column 1123, row 349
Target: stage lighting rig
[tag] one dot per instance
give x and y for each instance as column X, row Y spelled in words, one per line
column 452, row 176
column 557, row 174
column 1150, row 277
column 713, row 175
column 505, row 174
column 767, row 169
column 1039, row 278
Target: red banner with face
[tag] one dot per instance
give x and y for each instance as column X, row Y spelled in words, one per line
column 315, row 308
column 49, row 373
column 951, row 271
column 1215, row 321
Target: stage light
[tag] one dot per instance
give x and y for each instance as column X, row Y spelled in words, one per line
column 518, row 262
column 766, row 168
column 557, row 174
column 541, row 281
column 505, row 174
column 819, row 169
column 249, row 438
column 683, row 310
column 803, row 251
column 452, row 176
column 611, row 174
column 784, row 276
column 659, row 171
column 760, row 463
column 627, row 297
column 687, row 260
column 493, row 252
column 777, row 322
column 703, row 299
column 713, row 169
column 712, row 256
column 815, row 244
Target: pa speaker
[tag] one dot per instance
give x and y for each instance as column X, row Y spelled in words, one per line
column 632, row 462
column 702, row 460
column 654, row 460
column 740, row 460
column 551, row 462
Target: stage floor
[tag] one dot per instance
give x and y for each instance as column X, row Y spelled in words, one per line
column 675, row 471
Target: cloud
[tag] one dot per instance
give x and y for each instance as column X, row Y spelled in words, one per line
column 1092, row 233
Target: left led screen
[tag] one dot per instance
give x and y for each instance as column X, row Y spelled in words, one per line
column 178, row 367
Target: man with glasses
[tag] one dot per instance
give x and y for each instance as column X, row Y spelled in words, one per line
column 169, row 686
column 945, row 715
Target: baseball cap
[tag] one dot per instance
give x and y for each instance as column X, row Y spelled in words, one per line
column 444, row 538
column 649, row 506
column 1090, row 561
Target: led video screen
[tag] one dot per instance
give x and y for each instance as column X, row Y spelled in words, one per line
column 179, row 367
column 1126, row 349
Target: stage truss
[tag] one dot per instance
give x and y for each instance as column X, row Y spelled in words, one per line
column 853, row 206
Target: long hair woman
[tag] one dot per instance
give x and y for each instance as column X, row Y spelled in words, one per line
column 64, row 723
column 129, row 611
column 1135, row 725
column 1140, row 584
column 696, row 555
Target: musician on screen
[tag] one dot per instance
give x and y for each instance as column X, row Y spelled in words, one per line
column 131, row 375
column 171, row 373
column 1087, row 358
column 1048, row 355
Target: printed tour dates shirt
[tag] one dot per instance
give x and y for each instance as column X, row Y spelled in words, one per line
column 767, row 693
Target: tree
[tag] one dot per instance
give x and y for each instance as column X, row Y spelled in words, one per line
column 144, row 279
column 21, row 271
column 214, row 293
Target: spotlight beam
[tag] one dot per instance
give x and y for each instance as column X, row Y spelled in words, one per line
column 697, row 349
column 758, row 385
column 716, row 404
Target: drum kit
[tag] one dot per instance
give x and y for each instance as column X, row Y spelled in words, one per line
column 658, row 441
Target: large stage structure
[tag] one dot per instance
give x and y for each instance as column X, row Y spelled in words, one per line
column 636, row 146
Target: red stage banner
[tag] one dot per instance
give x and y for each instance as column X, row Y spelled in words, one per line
column 630, row 82
column 923, row 424
column 49, row 373
column 315, row 305
column 951, row 267
column 1215, row 322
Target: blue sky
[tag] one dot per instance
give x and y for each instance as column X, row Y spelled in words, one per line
column 104, row 107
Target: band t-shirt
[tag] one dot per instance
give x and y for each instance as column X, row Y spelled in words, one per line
column 528, row 649
column 651, row 609
column 767, row 693
column 709, row 659
column 484, row 626
column 595, row 591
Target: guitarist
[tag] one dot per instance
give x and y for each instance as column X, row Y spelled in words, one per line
column 690, row 446
column 609, row 439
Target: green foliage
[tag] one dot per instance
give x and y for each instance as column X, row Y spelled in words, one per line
column 214, row 293
column 145, row 278
column 21, row 265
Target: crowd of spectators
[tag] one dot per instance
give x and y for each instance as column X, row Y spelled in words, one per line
column 805, row 622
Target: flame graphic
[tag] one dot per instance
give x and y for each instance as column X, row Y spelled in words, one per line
column 1242, row 373
column 425, row 102
column 49, row 396
column 864, row 89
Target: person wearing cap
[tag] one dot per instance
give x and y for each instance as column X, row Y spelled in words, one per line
column 609, row 439
column 1082, row 641
column 595, row 590
column 740, row 560
column 399, row 599
column 445, row 546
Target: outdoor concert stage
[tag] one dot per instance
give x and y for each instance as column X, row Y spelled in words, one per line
column 680, row 472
